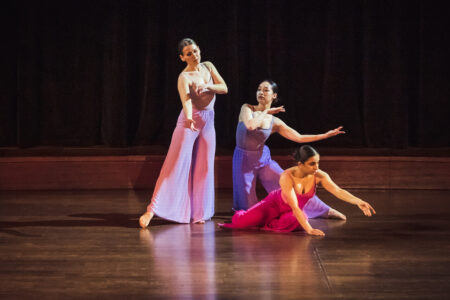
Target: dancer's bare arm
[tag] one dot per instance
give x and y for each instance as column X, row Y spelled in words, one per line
column 219, row 86
column 183, row 90
column 291, row 134
column 342, row 194
column 288, row 194
column 253, row 123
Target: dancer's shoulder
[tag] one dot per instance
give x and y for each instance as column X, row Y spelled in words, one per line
column 288, row 173
column 209, row 65
column 321, row 174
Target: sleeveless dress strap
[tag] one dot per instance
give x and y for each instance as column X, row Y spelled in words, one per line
column 210, row 75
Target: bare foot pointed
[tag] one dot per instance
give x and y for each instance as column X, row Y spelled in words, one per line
column 334, row 214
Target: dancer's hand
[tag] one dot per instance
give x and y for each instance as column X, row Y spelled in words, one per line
column 366, row 208
column 202, row 88
column 335, row 131
column 191, row 124
column 314, row 231
column 275, row 110
column 199, row 89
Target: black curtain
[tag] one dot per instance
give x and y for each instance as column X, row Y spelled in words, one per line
column 104, row 72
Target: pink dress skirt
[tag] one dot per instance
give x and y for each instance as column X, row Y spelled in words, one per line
column 271, row 213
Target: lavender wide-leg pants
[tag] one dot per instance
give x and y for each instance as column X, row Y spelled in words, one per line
column 184, row 191
column 248, row 166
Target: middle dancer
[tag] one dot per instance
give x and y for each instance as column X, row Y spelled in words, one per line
column 252, row 160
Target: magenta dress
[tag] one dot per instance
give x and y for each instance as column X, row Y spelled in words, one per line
column 184, row 191
column 271, row 213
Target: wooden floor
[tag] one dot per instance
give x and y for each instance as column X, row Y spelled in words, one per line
column 87, row 245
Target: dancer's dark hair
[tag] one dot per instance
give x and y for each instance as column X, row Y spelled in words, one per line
column 185, row 42
column 303, row 153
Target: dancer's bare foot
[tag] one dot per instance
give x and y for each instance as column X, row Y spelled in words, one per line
column 145, row 219
column 334, row 214
column 200, row 222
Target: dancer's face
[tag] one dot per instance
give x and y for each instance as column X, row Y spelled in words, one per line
column 191, row 55
column 311, row 165
column 265, row 94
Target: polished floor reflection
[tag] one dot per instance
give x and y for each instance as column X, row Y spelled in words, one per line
column 87, row 245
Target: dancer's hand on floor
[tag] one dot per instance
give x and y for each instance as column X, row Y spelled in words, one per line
column 314, row 231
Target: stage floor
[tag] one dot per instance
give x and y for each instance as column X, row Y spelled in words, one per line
column 87, row 245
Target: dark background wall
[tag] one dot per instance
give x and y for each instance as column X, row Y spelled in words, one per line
column 104, row 72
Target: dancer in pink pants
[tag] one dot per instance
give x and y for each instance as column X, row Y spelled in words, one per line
column 283, row 209
column 184, row 191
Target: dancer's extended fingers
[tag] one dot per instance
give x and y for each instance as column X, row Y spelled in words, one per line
column 339, row 130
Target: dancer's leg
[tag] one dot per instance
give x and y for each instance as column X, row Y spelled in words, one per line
column 316, row 208
column 334, row 214
column 171, row 199
column 202, row 171
column 287, row 222
column 256, row 216
column 244, row 181
column 270, row 176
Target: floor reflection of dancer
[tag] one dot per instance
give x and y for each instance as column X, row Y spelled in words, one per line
column 184, row 191
column 183, row 262
column 252, row 160
column 282, row 209
column 279, row 264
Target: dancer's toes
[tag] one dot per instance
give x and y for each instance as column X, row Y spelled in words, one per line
column 334, row 214
column 200, row 222
column 144, row 220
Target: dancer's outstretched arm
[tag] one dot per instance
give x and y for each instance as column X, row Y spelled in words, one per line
column 288, row 194
column 293, row 135
column 342, row 194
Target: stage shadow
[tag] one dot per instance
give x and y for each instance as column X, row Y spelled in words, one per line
column 96, row 219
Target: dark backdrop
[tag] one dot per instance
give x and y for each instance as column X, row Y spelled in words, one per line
column 104, row 72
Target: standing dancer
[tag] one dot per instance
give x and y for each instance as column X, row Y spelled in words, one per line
column 283, row 209
column 184, row 191
column 252, row 160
